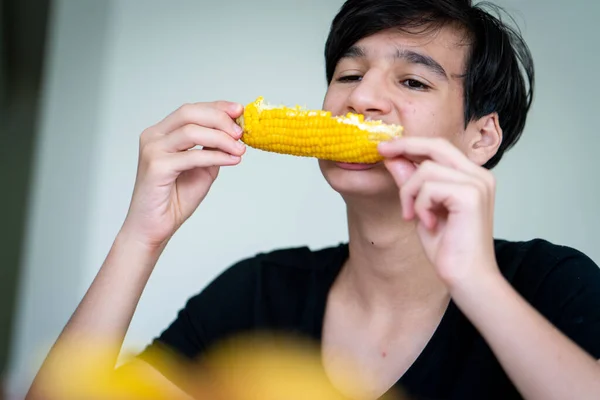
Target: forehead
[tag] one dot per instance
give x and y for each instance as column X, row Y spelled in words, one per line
column 447, row 45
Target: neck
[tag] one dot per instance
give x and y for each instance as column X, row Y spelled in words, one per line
column 387, row 267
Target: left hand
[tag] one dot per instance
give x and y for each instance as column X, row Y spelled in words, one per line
column 452, row 199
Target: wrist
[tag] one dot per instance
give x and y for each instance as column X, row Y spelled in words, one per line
column 129, row 237
column 488, row 285
column 128, row 246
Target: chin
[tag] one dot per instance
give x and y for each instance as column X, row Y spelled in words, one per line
column 370, row 180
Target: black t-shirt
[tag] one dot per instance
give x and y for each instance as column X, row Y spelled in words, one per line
column 286, row 291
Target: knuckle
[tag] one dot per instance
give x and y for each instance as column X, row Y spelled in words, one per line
column 187, row 111
column 426, row 188
column 419, row 203
column 427, row 165
column 223, row 118
column 188, row 131
column 486, row 183
column 228, row 106
column 146, row 135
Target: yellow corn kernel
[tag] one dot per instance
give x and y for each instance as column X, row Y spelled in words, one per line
column 314, row 133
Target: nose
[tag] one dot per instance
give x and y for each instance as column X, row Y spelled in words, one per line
column 370, row 98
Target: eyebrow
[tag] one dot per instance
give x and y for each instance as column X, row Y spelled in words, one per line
column 409, row 56
column 421, row 59
column 354, row 52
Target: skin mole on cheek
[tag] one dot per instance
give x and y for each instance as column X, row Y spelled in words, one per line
column 383, row 354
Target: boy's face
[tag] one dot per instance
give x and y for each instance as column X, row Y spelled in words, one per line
column 412, row 80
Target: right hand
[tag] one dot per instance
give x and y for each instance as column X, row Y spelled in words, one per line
column 172, row 177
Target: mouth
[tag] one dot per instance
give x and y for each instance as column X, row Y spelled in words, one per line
column 355, row 166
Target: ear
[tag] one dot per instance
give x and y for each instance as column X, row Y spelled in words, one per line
column 484, row 138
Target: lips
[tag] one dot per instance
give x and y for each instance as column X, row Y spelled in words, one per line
column 355, row 166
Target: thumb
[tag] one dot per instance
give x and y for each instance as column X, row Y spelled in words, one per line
column 401, row 169
column 233, row 109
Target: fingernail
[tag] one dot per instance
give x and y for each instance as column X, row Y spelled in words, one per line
column 238, row 129
column 383, row 145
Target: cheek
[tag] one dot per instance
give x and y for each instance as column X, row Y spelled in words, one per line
column 419, row 119
column 429, row 120
column 327, row 99
column 334, row 100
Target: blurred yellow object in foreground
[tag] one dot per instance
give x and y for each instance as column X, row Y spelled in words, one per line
column 264, row 367
column 314, row 133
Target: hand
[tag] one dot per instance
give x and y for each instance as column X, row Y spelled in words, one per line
column 173, row 176
column 452, row 200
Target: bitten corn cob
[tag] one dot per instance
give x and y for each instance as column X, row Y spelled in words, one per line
column 314, row 133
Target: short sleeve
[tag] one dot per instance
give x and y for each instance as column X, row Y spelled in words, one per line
column 569, row 295
column 224, row 306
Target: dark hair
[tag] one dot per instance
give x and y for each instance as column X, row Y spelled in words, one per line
column 498, row 63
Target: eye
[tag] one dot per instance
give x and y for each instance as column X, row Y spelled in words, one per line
column 349, row 78
column 415, row 84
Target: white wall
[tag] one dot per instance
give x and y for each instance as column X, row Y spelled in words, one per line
column 59, row 208
column 138, row 60
column 165, row 54
column 550, row 183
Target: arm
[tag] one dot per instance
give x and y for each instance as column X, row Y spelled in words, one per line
column 101, row 319
column 540, row 360
column 452, row 199
column 172, row 181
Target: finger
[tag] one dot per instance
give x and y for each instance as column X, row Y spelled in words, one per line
column 400, row 168
column 191, row 159
column 432, row 195
column 430, row 171
column 441, row 198
column 418, row 149
column 190, row 136
column 217, row 115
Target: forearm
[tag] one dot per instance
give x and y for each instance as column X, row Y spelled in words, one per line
column 98, row 326
column 109, row 304
column 541, row 361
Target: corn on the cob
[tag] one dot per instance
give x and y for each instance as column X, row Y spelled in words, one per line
column 314, row 133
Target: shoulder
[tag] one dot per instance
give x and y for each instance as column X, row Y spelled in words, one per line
column 535, row 247
column 265, row 290
column 276, row 280
column 302, row 258
column 561, row 282
column 536, row 259
column 284, row 275
column 281, row 263
column 536, row 266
